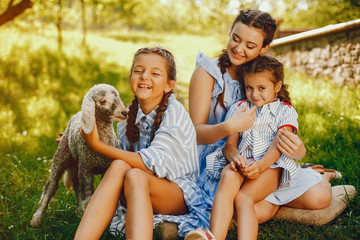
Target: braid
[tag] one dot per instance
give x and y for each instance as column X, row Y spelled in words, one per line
column 284, row 94
column 160, row 112
column 132, row 131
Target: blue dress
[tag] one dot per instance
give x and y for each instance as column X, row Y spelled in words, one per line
column 232, row 94
column 172, row 155
column 302, row 180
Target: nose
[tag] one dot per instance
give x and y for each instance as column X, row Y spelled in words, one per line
column 124, row 113
column 254, row 93
column 144, row 76
column 239, row 48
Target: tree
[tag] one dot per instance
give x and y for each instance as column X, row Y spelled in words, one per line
column 308, row 13
column 13, row 11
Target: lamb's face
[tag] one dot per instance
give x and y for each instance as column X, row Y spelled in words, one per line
column 108, row 105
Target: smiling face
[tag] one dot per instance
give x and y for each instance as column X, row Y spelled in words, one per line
column 245, row 44
column 260, row 89
column 149, row 80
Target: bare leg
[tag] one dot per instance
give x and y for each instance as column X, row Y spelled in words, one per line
column 103, row 203
column 223, row 207
column 251, row 192
column 265, row 211
column 146, row 194
column 317, row 197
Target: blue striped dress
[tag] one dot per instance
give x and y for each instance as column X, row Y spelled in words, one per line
column 172, row 155
column 232, row 94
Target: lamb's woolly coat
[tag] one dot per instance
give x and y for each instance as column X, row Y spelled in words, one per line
column 102, row 102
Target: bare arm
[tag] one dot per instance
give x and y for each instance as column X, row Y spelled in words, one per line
column 290, row 144
column 254, row 169
column 232, row 154
column 201, row 87
column 132, row 158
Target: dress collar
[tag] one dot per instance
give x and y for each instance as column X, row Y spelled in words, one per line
column 141, row 115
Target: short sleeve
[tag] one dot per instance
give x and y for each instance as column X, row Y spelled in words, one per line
column 162, row 155
column 288, row 117
column 212, row 68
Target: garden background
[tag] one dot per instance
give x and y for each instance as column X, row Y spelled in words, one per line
column 54, row 51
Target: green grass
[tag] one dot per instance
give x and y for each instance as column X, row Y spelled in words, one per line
column 40, row 89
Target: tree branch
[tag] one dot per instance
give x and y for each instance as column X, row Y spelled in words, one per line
column 14, row 10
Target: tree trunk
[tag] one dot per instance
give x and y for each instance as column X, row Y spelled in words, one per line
column 59, row 26
column 13, row 11
column 83, row 19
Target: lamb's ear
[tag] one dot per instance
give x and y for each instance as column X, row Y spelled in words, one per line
column 87, row 114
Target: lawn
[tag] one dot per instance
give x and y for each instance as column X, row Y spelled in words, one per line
column 40, row 89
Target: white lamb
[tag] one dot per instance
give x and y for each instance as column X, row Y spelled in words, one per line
column 74, row 155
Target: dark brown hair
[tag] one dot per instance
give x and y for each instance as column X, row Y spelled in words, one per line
column 252, row 18
column 132, row 131
column 272, row 65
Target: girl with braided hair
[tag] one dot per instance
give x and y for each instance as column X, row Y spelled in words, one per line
column 157, row 168
column 252, row 168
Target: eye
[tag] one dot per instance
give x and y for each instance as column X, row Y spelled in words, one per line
column 262, row 88
column 103, row 102
column 156, row 74
column 235, row 39
column 250, row 47
column 248, row 88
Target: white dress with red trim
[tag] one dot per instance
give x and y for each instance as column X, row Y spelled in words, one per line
column 254, row 143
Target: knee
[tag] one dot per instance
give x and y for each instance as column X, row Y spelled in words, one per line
column 135, row 179
column 117, row 166
column 322, row 199
column 117, row 170
column 228, row 176
column 243, row 200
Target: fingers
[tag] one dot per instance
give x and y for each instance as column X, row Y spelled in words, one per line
column 284, row 142
column 251, row 171
column 233, row 166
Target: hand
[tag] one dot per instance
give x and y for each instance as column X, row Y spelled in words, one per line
column 290, row 144
column 241, row 120
column 237, row 161
column 91, row 138
column 251, row 171
column 59, row 139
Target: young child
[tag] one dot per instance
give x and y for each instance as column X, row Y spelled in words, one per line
column 256, row 167
column 157, row 166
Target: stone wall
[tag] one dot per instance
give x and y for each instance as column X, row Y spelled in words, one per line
column 333, row 51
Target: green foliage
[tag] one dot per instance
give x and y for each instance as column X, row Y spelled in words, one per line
column 320, row 13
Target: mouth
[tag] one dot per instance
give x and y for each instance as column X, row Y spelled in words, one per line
column 146, row 86
column 236, row 55
column 119, row 118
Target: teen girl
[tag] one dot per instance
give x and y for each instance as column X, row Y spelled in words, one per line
column 157, row 167
column 214, row 87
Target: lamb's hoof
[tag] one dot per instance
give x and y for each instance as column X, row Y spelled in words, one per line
column 36, row 220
